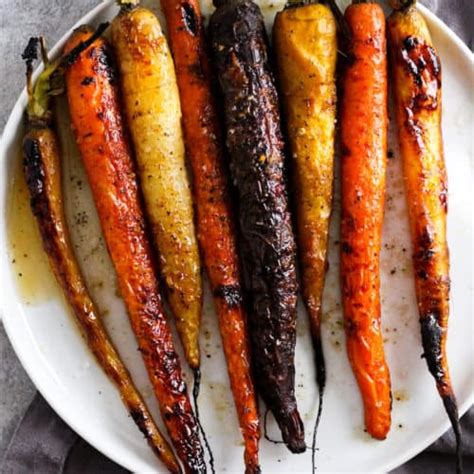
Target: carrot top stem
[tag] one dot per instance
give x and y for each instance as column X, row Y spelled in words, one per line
column 402, row 4
column 44, row 51
column 299, row 3
column 47, row 84
column 128, row 4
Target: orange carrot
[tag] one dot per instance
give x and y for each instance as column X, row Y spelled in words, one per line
column 95, row 114
column 364, row 148
column 216, row 231
column 416, row 71
column 42, row 168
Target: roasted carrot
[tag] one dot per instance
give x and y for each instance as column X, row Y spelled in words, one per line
column 255, row 144
column 42, row 168
column 216, row 232
column 364, row 122
column 416, row 70
column 305, row 41
column 152, row 109
column 99, row 130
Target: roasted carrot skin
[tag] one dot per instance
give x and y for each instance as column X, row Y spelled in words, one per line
column 364, row 123
column 416, row 72
column 267, row 245
column 215, row 223
column 97, row 122
column 42, row 171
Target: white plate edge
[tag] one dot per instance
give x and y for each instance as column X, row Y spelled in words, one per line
column 9, row 325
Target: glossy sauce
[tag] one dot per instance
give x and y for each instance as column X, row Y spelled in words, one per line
column 34, row 278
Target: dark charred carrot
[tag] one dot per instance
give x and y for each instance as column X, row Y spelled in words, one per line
column 364, row 149
column 416, row 72
column 42, row 168
column 305, row 42
column 97, row 122
column 267, row 245
column 216, row 233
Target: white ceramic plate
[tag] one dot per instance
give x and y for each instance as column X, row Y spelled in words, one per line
column 45, row 337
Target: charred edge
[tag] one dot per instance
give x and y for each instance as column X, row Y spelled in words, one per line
column 402, row 5
column 292, row 430
column 409, row 44
column 87, row 81
column 190, row 19
column 196, row 387
column 422, row 63
column 104, row 62
column 188, row 446
column 30, row 53
column 451, row 407
column 345, row 151
column 231, row 294
column 346, row 248
column 36, row 181
column 431, row 337
column 253, row 469
column 35, row 178
column 142, row 421
column 72, row 56
column 424, row 255
column 127, row 7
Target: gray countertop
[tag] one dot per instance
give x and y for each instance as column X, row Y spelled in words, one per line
column 19, row 21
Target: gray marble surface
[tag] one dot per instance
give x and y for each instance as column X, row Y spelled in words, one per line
column 19, row 21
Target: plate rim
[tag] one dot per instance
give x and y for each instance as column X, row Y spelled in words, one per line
column 8, row 311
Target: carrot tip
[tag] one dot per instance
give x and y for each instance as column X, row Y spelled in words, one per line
column 196, row 387
column 292, row 431
column 450, row 405
column 253, row 469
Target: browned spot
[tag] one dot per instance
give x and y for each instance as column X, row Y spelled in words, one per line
column 346, row 248
column 142, row 421
column 190, row 19
column 87, row 81
column 231, row 294
column 425, row 246
column 423, row 65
